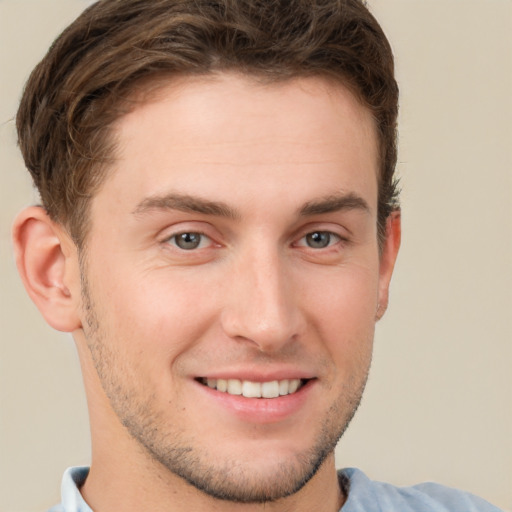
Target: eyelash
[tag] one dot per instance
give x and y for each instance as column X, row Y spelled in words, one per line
column 174, row 240
column 332, row 239
column 197, row 240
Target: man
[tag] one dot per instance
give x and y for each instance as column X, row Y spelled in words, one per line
column 218, row 231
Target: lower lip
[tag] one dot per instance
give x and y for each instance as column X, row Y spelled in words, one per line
column 261, row 410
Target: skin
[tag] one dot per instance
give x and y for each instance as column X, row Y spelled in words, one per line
column 253, row 170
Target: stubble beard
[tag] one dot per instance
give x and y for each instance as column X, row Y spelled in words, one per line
column 173, row 449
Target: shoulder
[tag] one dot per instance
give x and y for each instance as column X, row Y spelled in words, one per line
column 365, row 495
column 72, row 500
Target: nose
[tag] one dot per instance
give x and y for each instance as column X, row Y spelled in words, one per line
column 261, row 306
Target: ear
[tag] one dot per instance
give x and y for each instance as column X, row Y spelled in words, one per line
column 388, row 257
column 47, row 261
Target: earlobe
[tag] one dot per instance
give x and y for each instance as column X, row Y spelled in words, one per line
column 387, row 260
column 48, row 265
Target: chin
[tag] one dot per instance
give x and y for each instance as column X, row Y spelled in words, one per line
column 262, row 472
column 252, row 481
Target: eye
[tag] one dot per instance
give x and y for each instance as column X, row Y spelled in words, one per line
column 189, row 241
column 319, row 239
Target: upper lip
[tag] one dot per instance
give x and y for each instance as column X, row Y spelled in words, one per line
column 259, row 375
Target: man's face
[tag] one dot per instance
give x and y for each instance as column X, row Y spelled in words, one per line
column 233, row 249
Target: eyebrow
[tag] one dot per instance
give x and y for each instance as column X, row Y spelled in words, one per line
column 334, row 203
column 193, row 204
column 185, row 203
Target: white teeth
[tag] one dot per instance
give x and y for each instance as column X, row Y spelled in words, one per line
column 249, row 389
column 234, row 387
column 270, row 389
column 284, row 387
column 294, row 385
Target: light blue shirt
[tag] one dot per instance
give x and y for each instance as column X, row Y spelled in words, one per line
column 364, row 495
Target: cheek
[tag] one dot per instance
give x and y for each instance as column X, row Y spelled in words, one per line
column 342, row 307
column 150, row 312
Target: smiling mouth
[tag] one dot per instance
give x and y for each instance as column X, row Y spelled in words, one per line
column 249, row 389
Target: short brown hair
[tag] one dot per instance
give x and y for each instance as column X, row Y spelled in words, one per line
column 79, row 89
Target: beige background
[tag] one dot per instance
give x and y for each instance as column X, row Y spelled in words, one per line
column 439, row 402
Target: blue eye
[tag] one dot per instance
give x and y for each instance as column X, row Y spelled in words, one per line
column 320, row 239
column 189, row 241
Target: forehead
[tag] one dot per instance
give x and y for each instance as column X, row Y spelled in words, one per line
column 217, row 131
column 196, row 104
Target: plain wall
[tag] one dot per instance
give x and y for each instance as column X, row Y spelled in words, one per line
column 438, row 404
